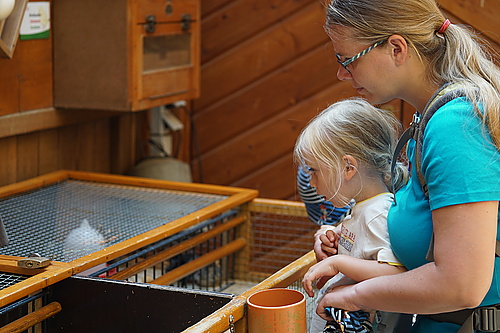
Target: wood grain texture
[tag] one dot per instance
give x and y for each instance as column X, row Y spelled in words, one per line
column 267, row 68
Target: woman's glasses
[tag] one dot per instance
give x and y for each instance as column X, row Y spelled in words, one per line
column 357, row 56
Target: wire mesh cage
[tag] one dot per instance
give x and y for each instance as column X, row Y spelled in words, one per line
column 149, row 230
column 199, row 257
column 281, row 233
column 213, row 239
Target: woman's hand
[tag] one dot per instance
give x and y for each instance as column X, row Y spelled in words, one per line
column 325, row 242
column 338, row 298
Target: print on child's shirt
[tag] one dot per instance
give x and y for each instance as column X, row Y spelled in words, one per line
column 346, row 239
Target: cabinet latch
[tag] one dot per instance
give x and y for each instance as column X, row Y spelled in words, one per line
column 186, row 22
column 150, row 24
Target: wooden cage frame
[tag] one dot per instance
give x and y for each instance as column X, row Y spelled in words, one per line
column 232, row 315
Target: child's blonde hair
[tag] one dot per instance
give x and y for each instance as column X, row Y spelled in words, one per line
column 352, row 127
column 457, row 55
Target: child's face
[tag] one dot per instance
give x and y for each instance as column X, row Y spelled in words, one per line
column 326, row 185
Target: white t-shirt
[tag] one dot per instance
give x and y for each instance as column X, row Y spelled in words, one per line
column 363, row 235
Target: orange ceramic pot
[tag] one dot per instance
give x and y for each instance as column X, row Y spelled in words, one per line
column 277, row 311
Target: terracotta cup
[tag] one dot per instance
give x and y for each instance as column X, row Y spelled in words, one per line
column 277, row 310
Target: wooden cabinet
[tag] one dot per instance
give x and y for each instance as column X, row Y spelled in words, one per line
column 125, row 55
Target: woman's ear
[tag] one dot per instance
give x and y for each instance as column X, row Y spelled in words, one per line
column 351, row 166
column 399, row 49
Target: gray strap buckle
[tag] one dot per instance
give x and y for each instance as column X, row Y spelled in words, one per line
column 486, row 319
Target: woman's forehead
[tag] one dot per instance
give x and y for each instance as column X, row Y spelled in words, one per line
column 340, row 33
column 341, row 38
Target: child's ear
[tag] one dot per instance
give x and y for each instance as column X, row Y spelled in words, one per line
column 351, row 166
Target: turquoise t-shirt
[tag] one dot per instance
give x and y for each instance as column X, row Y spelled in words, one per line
column 461, row 165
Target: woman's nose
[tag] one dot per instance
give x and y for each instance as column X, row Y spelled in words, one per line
column 343, row 74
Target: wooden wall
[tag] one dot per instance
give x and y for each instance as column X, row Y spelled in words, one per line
column 36, row 138
column 267, row 68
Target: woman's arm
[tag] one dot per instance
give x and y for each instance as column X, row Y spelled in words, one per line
column 460, row 276
column 354, row 268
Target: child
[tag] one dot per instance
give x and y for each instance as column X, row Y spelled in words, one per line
column 319, row 211
column 348, row 150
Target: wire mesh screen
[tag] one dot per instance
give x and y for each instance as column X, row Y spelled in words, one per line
column 73, row 218
column 310, row 301
column 10, row 279
column 168, row 261
column 280, row 235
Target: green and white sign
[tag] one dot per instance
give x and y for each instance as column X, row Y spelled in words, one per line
column 36, row 21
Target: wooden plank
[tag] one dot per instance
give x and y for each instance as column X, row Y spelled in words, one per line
column 84, row 144
column 9, row 84
column 31, row 319
column 122, row 135
column 272, row 94
column 261, row 54
column 207, row 7
column 102, row 146
column 272, row 138
column 48, row 156
column 283, row 207
column 269, row 185
column 27, row 156
column 33, row 183
column 8, row 154
column 481, row 14
column 48, row 118
column 201, row 262
column 160, row 184
column 35, row 74
column 230, row 23
column 37, row 278
column 33, row 284
column 68, row 152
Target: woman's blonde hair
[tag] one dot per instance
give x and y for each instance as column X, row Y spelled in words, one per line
column 457, row 55
column 352, row 127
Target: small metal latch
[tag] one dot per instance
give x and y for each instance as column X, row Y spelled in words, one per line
column 186, row 22
column 169, row 9
column 34, row 260
column 150, row 24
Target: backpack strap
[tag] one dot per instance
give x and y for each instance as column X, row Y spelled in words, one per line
column 409, row 133
column 417, row 126
column 440, row 98
column 483, row 319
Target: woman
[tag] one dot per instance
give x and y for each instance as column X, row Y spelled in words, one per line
column 407, row 49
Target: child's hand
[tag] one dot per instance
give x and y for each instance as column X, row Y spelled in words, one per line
column 319, row 273
column 325, row 244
